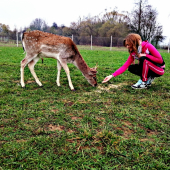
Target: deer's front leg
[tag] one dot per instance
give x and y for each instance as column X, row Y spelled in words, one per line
column 64, row 65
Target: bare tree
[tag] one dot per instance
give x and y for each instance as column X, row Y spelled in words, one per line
column 158, row 36
column 76, row 27
column 143, row 20
column 38, row 24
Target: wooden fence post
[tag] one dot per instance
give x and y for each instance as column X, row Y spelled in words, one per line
column 17, row 37
column 111, row 43
column 91, row 42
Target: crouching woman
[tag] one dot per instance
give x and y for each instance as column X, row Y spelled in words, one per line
column 150, row 63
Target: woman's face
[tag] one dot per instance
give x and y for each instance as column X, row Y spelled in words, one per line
column 129, row 46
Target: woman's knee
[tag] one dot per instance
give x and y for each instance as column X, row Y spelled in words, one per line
column 135, row 69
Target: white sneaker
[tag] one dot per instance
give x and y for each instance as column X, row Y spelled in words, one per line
column 150, row 80
column 139, row 85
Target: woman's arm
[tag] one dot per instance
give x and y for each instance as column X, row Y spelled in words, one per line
column 120, row 70
column 124, row 67
column 153, row 55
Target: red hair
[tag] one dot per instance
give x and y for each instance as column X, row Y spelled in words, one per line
column 134, row 41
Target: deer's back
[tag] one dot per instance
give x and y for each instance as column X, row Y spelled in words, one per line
column 38, row 41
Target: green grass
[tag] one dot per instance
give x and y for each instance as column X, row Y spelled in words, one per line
column 92, row 128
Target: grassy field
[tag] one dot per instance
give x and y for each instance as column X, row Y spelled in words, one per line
column 111, row 126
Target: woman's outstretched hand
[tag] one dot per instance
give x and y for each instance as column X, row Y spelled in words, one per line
column 107, row 79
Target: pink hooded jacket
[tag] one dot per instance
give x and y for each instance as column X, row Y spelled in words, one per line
column 148, row 49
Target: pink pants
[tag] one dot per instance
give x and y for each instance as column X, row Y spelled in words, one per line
column 147, row 65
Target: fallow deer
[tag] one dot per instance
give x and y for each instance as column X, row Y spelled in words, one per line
column 38, row 44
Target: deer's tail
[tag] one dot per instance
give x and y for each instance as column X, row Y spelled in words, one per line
column 22, row 37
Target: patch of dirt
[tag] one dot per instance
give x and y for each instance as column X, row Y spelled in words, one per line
column 16, row 81
column 28, row 126
column 146, row 139
column 73, row 139
column 69, row 104
column 30, row 81
column 126, row 131
column 127, row 123
column 75, row 118
column 70, row 131
column 110, row 86
column 6, row 120
column 1, row 126
column 150, row 132
column 37, row 119
column 2, row 141
column 55, row 110
column 101, row 120
column 54, row 127
column 30, row 118
column 22, row 140
column 1, row 80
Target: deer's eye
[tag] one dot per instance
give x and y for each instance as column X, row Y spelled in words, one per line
column 94, row 78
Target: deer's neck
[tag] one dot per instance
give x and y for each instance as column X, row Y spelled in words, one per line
column 81, row 64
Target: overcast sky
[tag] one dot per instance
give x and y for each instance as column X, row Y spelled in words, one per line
column 20, row 13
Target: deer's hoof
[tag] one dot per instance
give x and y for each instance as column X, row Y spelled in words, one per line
column 23, row 87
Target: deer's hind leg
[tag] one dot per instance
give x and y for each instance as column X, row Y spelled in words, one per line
column 24, row 62
column 31, row 65
column 59, row 67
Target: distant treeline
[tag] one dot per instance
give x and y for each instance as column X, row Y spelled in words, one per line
column 142, row 20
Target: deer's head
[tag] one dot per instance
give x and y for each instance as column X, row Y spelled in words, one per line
column 91, row 76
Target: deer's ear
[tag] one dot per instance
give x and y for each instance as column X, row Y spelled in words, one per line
column 95, row 68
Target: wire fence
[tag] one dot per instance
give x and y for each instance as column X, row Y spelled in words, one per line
column 95, row 41
column 78, row 40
